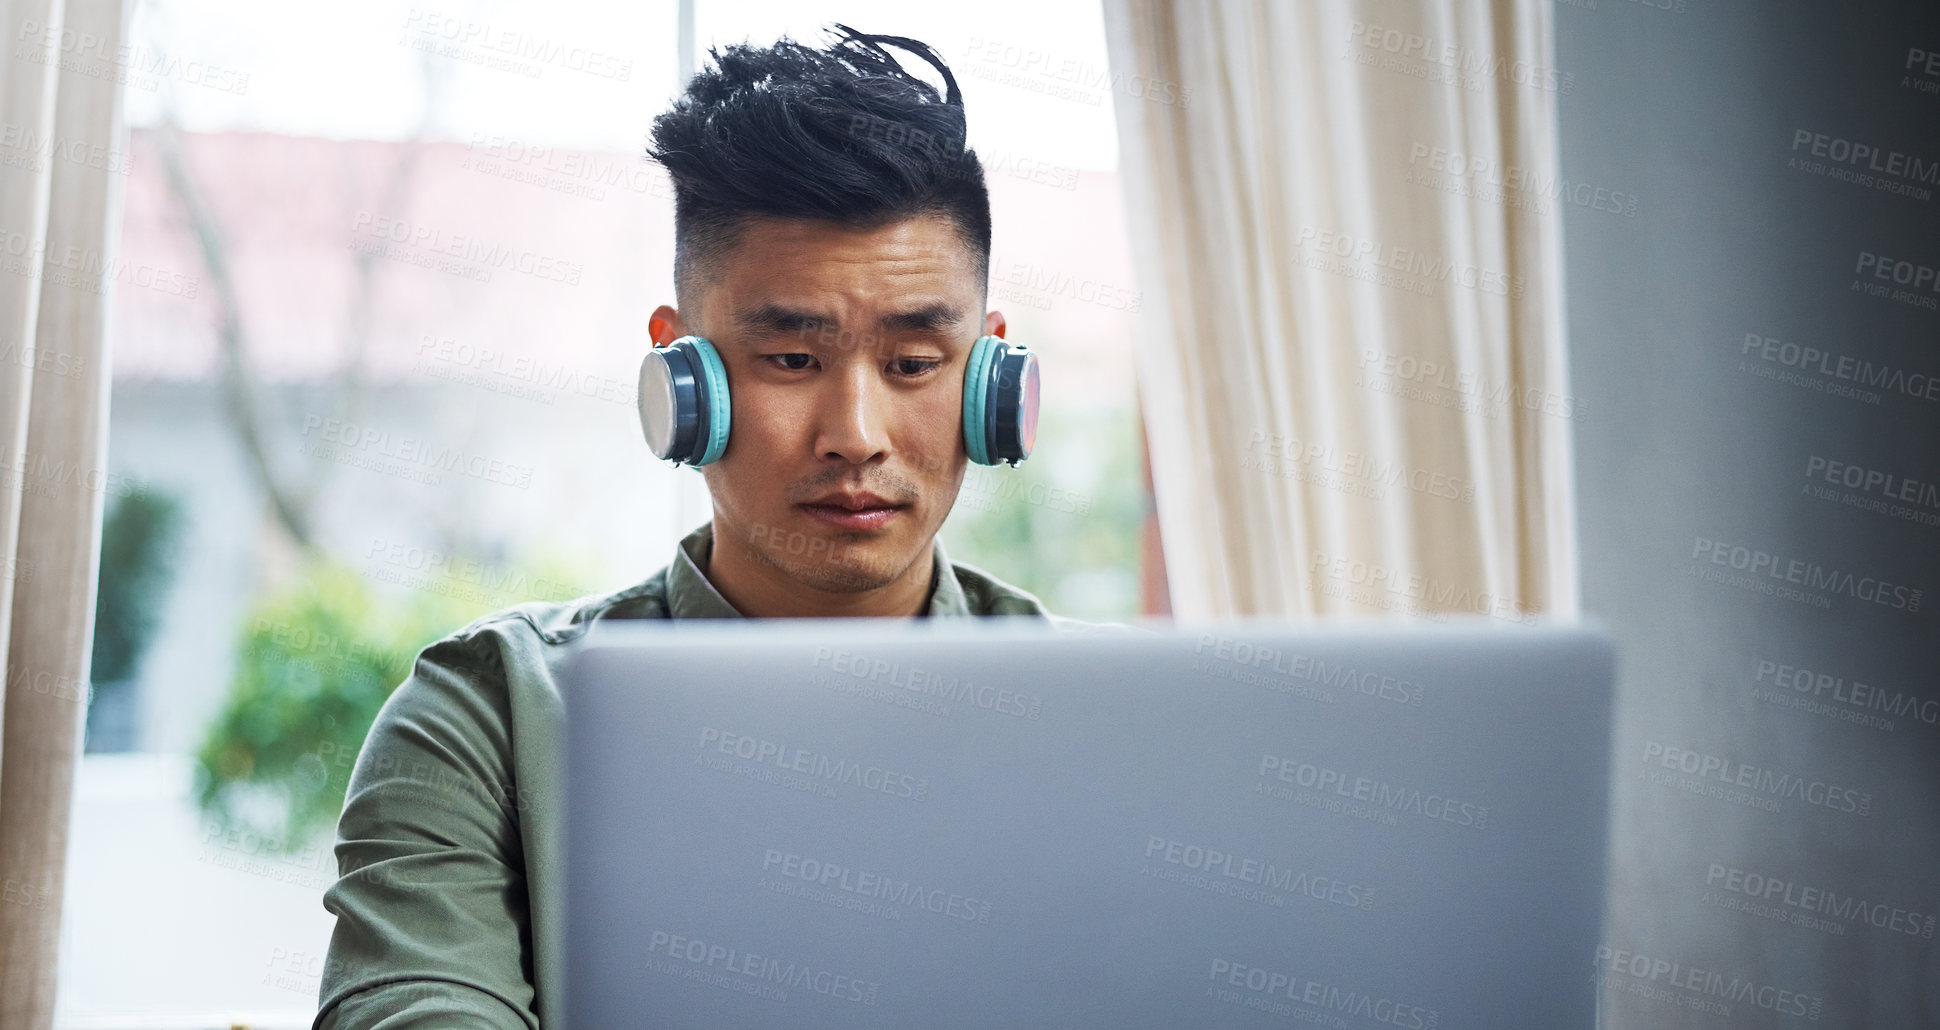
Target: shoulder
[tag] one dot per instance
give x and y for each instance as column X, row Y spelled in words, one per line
column 483, row 666
column 554, row 623
column 985, row 594
column 988, row 595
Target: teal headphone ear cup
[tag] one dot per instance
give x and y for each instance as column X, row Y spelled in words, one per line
column 683, row 401
column 976, row 399
column 1000, row 399
column 713, row 374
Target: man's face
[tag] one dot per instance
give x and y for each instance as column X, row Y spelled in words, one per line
column 845, row 352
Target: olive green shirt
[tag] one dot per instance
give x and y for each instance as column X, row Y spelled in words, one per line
column 449, row 905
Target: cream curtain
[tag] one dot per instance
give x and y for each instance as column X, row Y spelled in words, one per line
column 1346, row 218
column 59, row 218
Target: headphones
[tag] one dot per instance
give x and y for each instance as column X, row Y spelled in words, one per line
column 684, row 405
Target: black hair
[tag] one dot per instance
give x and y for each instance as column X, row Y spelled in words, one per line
column 843, row 134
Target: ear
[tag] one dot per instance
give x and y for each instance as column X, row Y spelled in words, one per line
column 663, row 326
column 993, row 324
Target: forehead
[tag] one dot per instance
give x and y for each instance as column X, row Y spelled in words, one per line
column 843, row 269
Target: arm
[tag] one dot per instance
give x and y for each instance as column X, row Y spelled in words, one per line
column 433, row 924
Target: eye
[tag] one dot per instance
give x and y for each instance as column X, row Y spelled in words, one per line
column 788, row 363
column 915, row 368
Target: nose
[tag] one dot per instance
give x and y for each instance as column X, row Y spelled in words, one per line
column 852, row 416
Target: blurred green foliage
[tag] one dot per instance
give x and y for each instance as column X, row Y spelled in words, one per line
column 1063, row 525
column 138, row 555
column 315, row 661
column 137, row 567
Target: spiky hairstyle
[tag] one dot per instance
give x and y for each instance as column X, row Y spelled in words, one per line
column 843, row 134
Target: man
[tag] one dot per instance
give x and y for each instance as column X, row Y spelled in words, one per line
column 832, row 243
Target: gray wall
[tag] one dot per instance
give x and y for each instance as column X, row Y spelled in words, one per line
column 1754, row 508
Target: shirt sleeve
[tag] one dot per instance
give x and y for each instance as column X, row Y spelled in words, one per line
column 433, row 920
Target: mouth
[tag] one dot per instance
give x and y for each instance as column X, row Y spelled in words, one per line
column 854, row 511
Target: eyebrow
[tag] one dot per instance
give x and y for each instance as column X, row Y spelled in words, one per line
column 775, row 318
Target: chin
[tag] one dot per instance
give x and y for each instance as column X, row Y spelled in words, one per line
column 843, row 561
column 839, row 574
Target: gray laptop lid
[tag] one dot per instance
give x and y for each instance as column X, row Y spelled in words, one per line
column 980, row 823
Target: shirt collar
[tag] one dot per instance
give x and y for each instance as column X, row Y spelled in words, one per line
column 691, row 596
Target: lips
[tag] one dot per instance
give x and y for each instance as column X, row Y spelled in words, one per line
column 853, row 502
column 853, row 511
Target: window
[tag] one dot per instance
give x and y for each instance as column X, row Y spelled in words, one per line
column 390, row 269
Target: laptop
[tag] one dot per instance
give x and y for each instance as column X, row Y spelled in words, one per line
column 985, row 823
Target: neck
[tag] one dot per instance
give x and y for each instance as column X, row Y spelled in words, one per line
column 758, row 589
